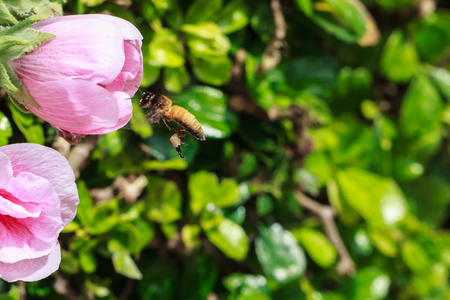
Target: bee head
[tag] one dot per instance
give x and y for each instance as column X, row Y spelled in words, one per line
column 146, row 99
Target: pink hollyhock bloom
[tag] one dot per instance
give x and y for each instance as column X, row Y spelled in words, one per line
column 82, row 78
column 38, row 198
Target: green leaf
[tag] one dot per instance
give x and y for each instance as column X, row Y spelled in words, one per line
column 205, row 30
column 201, row 10
column 340, row 18
column 88, row 262
column 124, row 264
column 190, row 235
column 5, row 129
column 379, row 200
column 85, row 208
column 212, row 69
column 175, row 79
column 226, row 235
column 441, row 78
column 163, row 201
column 204, row 188
column 281, row 258
column 316, row 245
column 150, row 75
column 208, row 105
column 305, row 6
column 166, row 50
column 69, row 263
column 312, row 73
column 432, row 37
column 383, row 241
column 199, row 277
column 345, row 212
column 371, row 283
column 415, row 257
column 421, row 108
column 104, row 217
column 429, row 198
column 237, row 282
column 25, row 122
column 399, row 60
column 233, row 17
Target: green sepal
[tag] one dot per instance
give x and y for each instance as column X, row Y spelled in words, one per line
column 15, row 88
column 15, row 41
column 5, row 15
column 23, row 8
column 21, row 42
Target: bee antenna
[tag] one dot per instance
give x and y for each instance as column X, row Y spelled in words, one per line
column 139, row 89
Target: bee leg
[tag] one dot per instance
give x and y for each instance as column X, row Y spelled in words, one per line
column 176, row 142
column 181, row 135
column 169, row 126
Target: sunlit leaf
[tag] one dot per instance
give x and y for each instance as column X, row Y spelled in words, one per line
column 204, row 188
column 279, row 254
column 421, row 108
column 166, row 50
column 399, row 60
column 316, row 245
column 163, row 201
column 124, row 264
column 226, row 235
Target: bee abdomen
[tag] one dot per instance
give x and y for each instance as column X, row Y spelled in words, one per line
column 187, row 120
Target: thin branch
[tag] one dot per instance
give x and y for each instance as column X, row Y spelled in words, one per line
column 326, row 213
column 272, row 55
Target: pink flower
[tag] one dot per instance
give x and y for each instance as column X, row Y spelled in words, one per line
column 38, row 198
column 81, row 79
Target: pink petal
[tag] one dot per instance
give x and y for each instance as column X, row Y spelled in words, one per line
column 90, row 50
column 5, row 170
column 129, row 31
column 17, row 209
column 49, row 164
column 125, row 113
column 32, row 269
column 74, row 105
column 17, row 242
column 130, row 76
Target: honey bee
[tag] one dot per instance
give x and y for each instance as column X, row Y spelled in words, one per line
column 160, row 107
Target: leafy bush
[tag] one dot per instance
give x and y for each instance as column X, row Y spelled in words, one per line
column 325, row 170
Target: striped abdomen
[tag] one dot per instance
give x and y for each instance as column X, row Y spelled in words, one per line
column 187, row 120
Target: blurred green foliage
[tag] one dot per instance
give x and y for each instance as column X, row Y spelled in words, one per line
column 356, row 115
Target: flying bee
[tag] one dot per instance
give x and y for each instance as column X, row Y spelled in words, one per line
column 160, row 107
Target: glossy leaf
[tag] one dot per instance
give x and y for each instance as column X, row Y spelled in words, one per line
column 124, row 264
column 204, row 188
column 213, row 69
column 5, row 129
column 233, row 17
column 421, row 108
column 175, row 79
column 163, row 201
column 399, row 60
column 226, row 235
column 202, row 10
column 317, row 246
column 377, row 199
column 166, row 50
column 279, row 254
